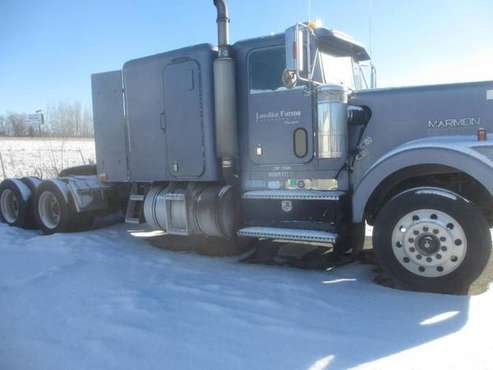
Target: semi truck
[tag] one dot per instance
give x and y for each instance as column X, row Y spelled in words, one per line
column 284, row 137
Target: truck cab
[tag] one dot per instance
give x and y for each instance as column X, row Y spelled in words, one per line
column 295, row 137
column 283, row 140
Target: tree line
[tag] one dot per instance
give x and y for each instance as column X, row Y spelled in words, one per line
column 65, row 119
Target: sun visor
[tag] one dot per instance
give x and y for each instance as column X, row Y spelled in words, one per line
column 340, row 44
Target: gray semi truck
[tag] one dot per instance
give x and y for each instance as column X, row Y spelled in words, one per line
column 284, row 137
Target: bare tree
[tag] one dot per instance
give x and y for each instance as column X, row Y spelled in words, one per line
column 16, row 124
column 3, row 127
column 87, row 126
column 69, row 120
column 65, row 119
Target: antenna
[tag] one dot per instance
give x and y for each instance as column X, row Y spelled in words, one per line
column 309, row 10
column 370, row 27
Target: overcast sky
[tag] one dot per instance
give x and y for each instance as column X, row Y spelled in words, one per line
column 49, row 48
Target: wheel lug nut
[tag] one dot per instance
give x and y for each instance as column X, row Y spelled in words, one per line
column 419, row 256
column 444, row 249
column 454, row 258
column 458, row 242
column 416, row 232
column 412, row 249
column 435, row 231
column 429, row 260
column 438, row 256
column 426, row 229
column 415, row 218
column 422, row 269
column 411, row 240
column 406, row 260
column 440, row 269
column 443, row 239
column 398, row 245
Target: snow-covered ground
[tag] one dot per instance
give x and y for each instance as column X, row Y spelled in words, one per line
column 106, row 300
column 43, row 157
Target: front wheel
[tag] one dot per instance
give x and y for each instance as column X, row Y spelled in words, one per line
column 431, row 239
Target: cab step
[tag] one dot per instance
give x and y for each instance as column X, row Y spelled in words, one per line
column 134, row 214
column 297, row 194
column 279, row 233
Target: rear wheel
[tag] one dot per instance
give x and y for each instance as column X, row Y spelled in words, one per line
column 431, row 239
column 55, row 210
column 16, row 204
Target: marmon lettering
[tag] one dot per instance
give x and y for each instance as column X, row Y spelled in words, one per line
column 453, row 123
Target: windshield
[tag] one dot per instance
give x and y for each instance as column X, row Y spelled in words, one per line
column 339, row 70
column 266, row 66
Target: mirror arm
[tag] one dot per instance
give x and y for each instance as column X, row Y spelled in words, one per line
column 373, row 76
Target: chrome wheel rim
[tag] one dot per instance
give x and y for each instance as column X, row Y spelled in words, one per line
column 9, row 205
column 429, row 243
column 49, row 210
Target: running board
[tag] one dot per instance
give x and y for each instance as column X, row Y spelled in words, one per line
column 294, row 195
column 288, row 234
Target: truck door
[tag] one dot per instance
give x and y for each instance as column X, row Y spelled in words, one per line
column 183, row 120
column 280, row 119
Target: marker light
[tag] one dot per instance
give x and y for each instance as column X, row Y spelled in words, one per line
column 482, row 134
column 314, row 24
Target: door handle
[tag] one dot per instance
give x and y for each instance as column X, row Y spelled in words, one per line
column 162, row 121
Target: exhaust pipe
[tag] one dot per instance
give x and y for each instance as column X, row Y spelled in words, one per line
column 225, row 98
column 222, row 27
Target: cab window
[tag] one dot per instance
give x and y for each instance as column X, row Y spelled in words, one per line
column 265, row 68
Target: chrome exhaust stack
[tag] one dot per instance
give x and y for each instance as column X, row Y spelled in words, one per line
column 225, row 97
column 222, row 27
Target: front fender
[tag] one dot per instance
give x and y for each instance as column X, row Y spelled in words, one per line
column 463, row 154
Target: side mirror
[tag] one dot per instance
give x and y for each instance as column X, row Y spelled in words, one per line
column 294, row 42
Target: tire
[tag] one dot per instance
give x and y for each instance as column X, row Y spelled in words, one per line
column 16, row 204
column 54, row 209
column 32, row 183
column 84, row 170
column 430, row 239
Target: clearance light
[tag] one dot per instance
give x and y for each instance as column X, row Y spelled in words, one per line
column 314, row 24
column 482, row 134
column 103, row 177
